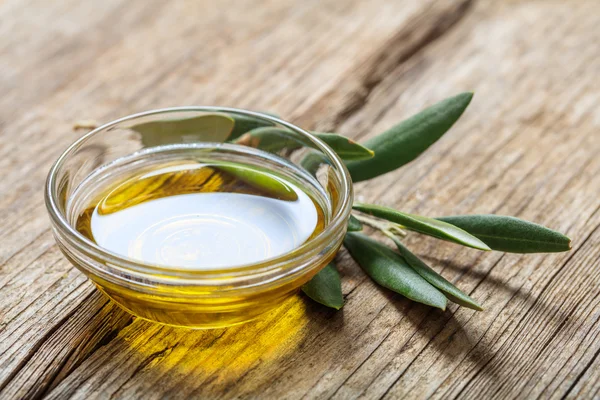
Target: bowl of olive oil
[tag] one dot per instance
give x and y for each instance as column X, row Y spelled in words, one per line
column 183, row 217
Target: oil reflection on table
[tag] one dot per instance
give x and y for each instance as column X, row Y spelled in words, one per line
column 219, row 357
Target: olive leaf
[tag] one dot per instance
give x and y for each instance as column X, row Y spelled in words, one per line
column 450, row 291
column 391, row 271
column 245, row 123
column 326, row 287
column 354, row 225
column 312, row 161
column 270, row 138
column 345, row 147
column 274, row 139
column 428, row 226
column 407, row 140
column 511, row 234
column 203, row 128
column 261, row 180
column 206, row 128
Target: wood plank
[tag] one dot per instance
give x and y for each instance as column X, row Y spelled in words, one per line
column 524, row 148
column 67, row 345
column 71, row 60
column 527, row 147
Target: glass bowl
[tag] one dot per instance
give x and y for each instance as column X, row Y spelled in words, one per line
column 192, row 297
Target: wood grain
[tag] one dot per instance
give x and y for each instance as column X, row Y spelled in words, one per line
column 527, row 146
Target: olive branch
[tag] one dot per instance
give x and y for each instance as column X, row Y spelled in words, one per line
column 401, row 270
column 398, row 270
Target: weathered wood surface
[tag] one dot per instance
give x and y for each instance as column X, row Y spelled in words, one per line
column 527, row 146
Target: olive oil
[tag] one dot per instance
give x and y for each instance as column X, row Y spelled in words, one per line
column 181, row 209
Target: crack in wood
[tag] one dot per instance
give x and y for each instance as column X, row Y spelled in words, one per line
column 38, row 392
column 388, row 60
column 402, row 46
column 143, row 364
column 71, row 363
column 580, row 345
column 36, row 347
column 581, row 374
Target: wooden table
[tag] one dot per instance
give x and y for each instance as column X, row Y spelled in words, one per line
column 528, row 146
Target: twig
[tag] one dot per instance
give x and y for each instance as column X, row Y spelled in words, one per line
column 384, row 227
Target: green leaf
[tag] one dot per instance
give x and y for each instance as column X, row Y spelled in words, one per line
column 270, row 138
column 345, row 147
column 326, row 287
column 427, row 226
column 204, row 128
column 274, row 139
column 390, row 270
column 261, row 180
column 451, row 291
column 354, row 225
column 312, row 161
column 511, row 234
column 245, row 124
column 407, row 140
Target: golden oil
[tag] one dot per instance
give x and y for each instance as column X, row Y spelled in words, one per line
column 201, row 215
column 188, row 209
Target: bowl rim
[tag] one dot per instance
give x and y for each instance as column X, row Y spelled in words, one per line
column 288, row 263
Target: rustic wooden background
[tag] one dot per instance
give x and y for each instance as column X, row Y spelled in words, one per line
column 528, row 146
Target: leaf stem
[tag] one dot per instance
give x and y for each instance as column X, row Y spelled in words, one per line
column 383, row 226
column 390, row 234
